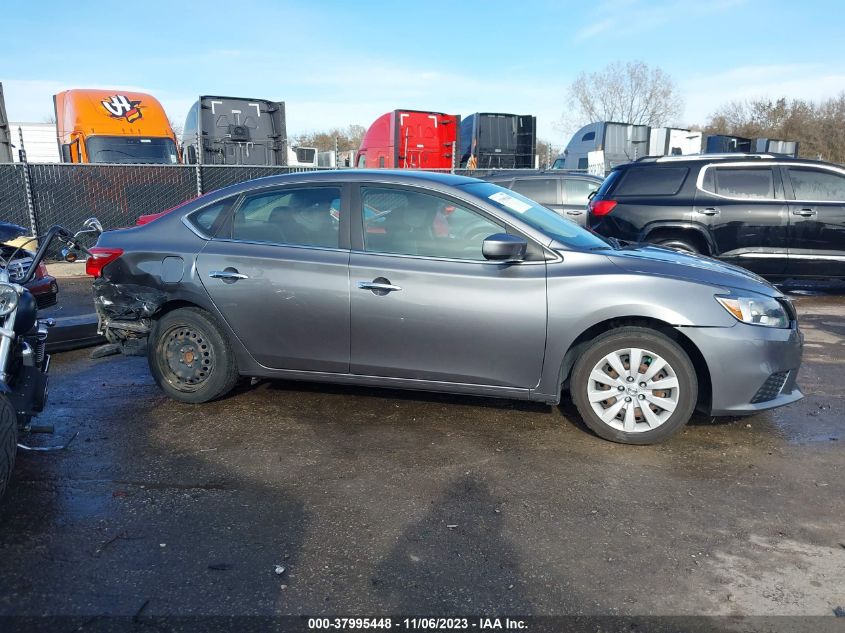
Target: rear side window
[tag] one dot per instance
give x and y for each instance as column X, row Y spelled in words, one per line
column 578, row 191
column 737, row 182
column 209, row 219
column 652, row 181
column 609, row 182
column 301, row 217
column 542, row 190
column 817, row 185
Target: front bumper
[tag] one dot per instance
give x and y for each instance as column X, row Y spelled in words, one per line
column 752, row 368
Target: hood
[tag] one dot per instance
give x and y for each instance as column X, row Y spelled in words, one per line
column 667, row 262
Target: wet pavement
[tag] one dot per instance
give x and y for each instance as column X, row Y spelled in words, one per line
column 380, row 502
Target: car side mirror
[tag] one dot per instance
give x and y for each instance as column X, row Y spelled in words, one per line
column 503, row 247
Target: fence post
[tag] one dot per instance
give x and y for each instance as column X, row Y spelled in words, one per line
column 27, row 183
column 336, row 152
column 453, row 157
column 198, row 168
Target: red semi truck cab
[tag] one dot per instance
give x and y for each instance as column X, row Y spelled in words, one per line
column 410, row 139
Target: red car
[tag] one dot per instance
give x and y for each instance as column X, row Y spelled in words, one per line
column 43, row 286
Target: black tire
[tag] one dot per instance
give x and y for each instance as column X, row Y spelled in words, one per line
column 8, row 441
column 678, row 364
column 679, row 244
column 190, row 356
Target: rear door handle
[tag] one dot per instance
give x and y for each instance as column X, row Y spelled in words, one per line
column 709, row 211
column 380, row 286
column 229, row 274
column 573, row 212
column 805, row 212
column 371, row 285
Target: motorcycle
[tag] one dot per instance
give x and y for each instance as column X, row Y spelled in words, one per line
column 24, row 362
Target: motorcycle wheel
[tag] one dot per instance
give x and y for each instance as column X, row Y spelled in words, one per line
column 8, row 441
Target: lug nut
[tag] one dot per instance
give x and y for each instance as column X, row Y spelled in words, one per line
column 630, row 379
column 642, row 397
column 621, row 388
column 627, row 398
column 642, row 384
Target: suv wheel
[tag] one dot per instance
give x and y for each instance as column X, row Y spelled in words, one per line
column 190, row 356
column 679, row 244
column 634, row 385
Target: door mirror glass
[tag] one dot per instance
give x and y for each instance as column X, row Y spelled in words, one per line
column 503, row 247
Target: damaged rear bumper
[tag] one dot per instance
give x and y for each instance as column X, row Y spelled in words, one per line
column 124, row 311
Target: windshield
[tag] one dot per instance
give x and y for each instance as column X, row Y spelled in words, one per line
column 131, row 149
column 537, row 216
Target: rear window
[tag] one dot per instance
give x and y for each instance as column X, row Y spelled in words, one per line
column 609, row 182
column 652, row 181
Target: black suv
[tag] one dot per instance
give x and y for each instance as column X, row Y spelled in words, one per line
column 780, row 217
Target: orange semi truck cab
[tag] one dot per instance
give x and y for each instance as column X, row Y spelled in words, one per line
column 113, row 126
column 410, row 139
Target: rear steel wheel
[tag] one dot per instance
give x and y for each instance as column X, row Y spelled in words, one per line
column 190, row 356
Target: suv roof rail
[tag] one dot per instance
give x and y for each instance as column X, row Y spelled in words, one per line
column 720, row 156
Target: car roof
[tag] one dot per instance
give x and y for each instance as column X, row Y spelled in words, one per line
column 691, row 160
column 398, row 176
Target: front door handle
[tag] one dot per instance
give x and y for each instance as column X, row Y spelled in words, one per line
column 229, row 275
column 380, row 286
column 805, row 212
column 709, row 211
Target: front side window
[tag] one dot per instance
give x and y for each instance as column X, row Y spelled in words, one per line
column 542, row 190
column 407, row 222
column 306, row 216
column 817, row 185
column 747, row 183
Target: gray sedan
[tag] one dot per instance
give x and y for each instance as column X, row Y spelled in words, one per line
column 440, row 283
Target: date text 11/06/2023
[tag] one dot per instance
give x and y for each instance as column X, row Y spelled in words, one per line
column 420, row 624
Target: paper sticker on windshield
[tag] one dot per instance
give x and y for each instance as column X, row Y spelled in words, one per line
column 510, row 202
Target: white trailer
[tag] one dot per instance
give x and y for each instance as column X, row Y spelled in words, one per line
column 39, row 141
column 673, row 141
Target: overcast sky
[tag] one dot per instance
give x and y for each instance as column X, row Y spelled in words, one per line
column 337, row 63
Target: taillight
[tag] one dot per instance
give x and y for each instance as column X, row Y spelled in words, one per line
column 601, row 207
column 41, row 271
column 100, row 257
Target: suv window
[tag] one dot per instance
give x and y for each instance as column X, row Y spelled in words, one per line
column 740, row 182
column 542, row 190
column 817, row 184
column 578, row 190
column 406, row 222
column 302, row 217
column 652, row 181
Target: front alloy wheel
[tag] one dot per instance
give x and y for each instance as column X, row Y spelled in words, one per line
column 634, row 385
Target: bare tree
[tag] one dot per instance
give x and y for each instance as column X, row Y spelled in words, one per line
column 819, row 128
column 176, row 127
column 348, row 138
column 629, row 92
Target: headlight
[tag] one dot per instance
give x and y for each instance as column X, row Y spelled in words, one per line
column 756, row 310
column 8, row 299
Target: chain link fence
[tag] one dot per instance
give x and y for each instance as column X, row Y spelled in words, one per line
column 68, row 194
column 13, row 207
